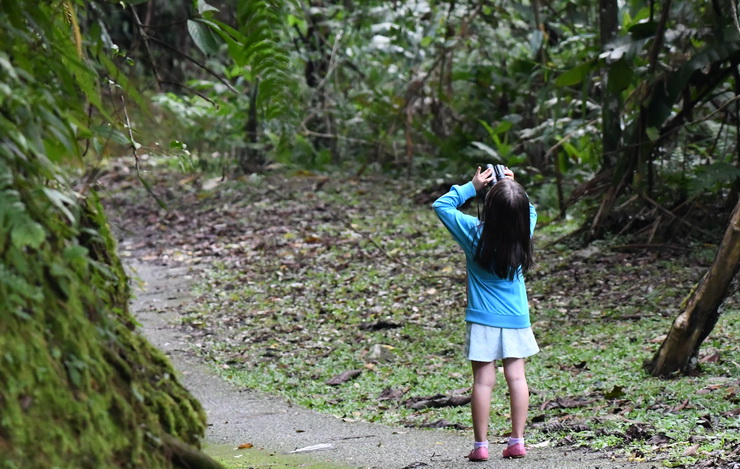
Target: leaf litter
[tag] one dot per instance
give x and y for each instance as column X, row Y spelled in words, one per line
column 299, row 278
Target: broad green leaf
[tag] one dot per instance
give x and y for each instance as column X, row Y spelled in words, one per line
column 107, row 132
column 575, row 75
column 61, row 201
column 204, row 8
column 644, row 29
column 234, row 33
column 488, row 150
column 619, row 76
column 27, row 232
column 488, row 128
column 296, row 21
column 203, row 37
column 77, row 256
column 233, row 42
column 87, row 81
column 653, row 134
column 571, row 150
column 7, row 67
column 502, row 127
column 666, row 96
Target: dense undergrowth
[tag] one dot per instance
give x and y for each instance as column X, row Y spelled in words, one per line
column 307, row 277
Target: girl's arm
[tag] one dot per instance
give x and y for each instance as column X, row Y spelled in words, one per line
column 446, row 208
column 456, row 222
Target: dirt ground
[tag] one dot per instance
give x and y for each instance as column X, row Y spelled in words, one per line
column 241, row 416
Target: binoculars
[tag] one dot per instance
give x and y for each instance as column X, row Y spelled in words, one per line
column 498, row 173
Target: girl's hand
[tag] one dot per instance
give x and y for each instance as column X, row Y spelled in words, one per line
column 481, row 179
column 509, row 173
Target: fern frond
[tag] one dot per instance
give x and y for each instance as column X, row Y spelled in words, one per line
column 262, row 27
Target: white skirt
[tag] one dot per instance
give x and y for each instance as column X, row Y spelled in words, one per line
column 487, row 343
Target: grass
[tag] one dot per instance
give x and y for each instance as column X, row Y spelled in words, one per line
column 306, row 277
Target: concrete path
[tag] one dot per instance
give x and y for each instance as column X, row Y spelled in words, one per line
column 238, row 416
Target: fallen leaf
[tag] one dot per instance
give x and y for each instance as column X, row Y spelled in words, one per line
column 683, row 405
column 211, row 184
column 566, row 403
column 379, row 325
column 246, row 446
column 615, row 393
column 343, row 377
column 442, row 424
column 575, row 368
column 388, row 394
column 438, row 400
column 659, row 339
column 639, row 432
column 659, row 439
column 691, row 450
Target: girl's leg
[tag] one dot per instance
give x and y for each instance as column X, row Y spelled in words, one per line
column 484, row 379
column 518, row 394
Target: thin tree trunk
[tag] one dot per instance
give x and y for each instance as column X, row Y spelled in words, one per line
column 678, row 352
column 611, row 109
column 611, row 102
column 251, row 158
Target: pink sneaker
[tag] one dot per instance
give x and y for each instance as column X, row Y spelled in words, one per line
column 515, row 451
column 480, row 454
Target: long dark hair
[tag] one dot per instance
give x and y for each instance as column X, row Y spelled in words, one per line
column 505, row 244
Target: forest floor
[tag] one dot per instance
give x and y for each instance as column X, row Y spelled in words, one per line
column 339, row 301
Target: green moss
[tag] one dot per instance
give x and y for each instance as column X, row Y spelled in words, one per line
column 80, row 387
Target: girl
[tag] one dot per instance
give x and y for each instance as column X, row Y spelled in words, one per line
column 498, row 251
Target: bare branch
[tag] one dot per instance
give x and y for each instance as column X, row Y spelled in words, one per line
column 145, row 38
column 193, row 60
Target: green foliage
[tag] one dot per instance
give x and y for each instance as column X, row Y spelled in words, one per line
column 257, row 47
column 80, row 387
column 408, row 85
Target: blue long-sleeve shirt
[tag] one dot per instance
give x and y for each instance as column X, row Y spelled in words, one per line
column 492, row 301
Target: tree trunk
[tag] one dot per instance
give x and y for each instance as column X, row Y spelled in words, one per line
column 678, row 352
column 611, row 111
column 251, row 159
column 611, row 102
